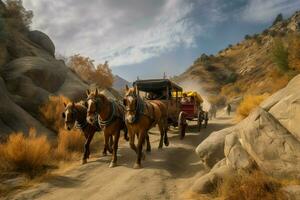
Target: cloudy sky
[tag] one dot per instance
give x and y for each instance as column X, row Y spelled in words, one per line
column 146, row 38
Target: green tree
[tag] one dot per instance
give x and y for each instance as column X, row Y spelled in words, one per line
column 280, row 56
column 279, row 18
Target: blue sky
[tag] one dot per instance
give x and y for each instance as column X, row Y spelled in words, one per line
column 146, row 38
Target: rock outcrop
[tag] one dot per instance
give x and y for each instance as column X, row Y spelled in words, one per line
column 29, row 74
column 268, row 139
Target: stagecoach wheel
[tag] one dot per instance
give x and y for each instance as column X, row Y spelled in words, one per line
column 182, row 124
column 199, row 120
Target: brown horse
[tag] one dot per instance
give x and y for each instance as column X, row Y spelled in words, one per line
column 110, row 116
column 75, row 115
column 140, row 116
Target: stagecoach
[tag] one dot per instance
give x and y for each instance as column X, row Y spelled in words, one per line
column 167, row 92
column 191, row 107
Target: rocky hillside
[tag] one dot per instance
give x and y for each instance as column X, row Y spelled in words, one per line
column 246, row 67
column 267, row 140
column 29, row 74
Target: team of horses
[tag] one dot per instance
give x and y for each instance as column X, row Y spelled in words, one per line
column 135, row 118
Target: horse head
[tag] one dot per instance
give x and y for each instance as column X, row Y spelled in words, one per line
column 70, row 115
column 95, row 101
column 130, row 102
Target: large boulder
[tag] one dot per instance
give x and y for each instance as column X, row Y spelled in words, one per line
column 211, row 150
column 13, row 118
column 43, row 40
column 30, row 80
column 268, row 140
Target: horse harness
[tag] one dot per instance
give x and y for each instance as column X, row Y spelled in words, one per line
column 82, row 124
column 116, row 112
column 142, row 108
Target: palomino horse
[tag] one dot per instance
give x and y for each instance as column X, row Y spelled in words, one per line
column 75, row 114
column 110, row 116
column 140, row 116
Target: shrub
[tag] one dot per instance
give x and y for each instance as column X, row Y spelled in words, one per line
column 16, row 16
column 26, row 154
column 280, row 56
column 51, row 112
column 247, row 37
column 279, row 18
column 248, row 104
column 250, row 186
column 294, row 52
column 68, row 142
column 265, row 32
column 101, row 75
column 231, row 78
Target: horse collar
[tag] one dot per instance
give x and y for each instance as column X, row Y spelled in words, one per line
column 111, row 117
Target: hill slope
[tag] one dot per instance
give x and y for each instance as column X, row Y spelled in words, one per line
column 246, row 67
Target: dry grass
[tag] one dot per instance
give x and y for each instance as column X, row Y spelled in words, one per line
column 26, row 154
column 69, row 144
column 250, row 186
column 248, row 104
column 51, row 112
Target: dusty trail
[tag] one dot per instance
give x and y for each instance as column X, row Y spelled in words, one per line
column 166, row 173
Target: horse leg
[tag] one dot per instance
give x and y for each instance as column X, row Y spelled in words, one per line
column 166, row 139
column 111, row 143
column 113, row 162
column 161, row 130
column 126, row 133
column 148, row 143
column 106, row 143
column 131, row 142
column 85, row 152
column 140, row 154
column 87, row 148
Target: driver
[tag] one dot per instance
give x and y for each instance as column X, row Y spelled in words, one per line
column 184, row 98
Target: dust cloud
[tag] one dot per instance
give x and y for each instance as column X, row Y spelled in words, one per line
column 193, row 85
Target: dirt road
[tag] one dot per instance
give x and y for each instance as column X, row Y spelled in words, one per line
column 166, row 173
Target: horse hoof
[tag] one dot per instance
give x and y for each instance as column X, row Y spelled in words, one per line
column 137, row 166
column 84, row 161
column 104, row 154
column 112, row 164
column 167, row 142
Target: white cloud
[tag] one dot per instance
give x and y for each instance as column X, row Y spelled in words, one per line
column 122, row 32
column 262, row 11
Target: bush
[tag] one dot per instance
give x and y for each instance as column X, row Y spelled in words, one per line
column 250, row 186
column 231, row 78
column 26, row 154
column 51, row 112
column 247, row 37
column 294, row 52
column 16, row 16
column 248, row 104
column 280, row 56
column 279, row 18
column 68, row 142
column 265, row 32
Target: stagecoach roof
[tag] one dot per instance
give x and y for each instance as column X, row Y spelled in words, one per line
column 150, row 85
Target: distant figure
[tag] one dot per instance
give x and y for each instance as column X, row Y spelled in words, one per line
column 212, row 111
column 228, row 109
column 184, row 98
